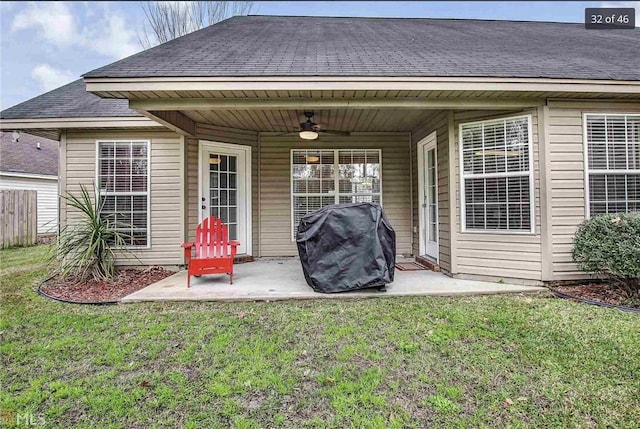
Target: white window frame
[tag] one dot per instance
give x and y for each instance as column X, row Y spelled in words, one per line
column 147, row 193
column 336, row 163
column 587, row 171
column 463, row 176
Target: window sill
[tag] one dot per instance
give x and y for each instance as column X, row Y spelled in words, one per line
column 497, row 231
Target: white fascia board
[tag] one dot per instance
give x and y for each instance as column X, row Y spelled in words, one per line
column 358, row 83
column 28, row 175
column 89, row 122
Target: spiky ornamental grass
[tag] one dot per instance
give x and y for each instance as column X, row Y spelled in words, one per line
column 87, row 245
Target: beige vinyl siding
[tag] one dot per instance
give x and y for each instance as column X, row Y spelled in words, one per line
column 439, row 123
column 567, row 176
column 47, row 198
column 566, row 173
column 275, row 185
column 502, row 255
column 166, row 188
column 220, row 135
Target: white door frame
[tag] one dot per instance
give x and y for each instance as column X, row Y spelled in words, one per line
column 207, row 145
column 429, row 142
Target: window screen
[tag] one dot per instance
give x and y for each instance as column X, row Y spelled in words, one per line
column 613, row 163
column 497, row 175
column 324, row 177
column 123, row 180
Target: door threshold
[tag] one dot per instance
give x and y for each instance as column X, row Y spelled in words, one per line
column 240, row 259
column 428, row 262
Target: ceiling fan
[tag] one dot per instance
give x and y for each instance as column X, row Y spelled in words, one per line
column 309, row 130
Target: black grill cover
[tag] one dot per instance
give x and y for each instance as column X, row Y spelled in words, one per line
column 347, row 247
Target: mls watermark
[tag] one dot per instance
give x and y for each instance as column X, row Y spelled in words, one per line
column 10, row 418
column 609, row 18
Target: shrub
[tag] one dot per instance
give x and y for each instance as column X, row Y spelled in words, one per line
column 86, row 246
column 609, row 245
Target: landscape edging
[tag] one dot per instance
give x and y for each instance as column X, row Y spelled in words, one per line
column 594, row 302
column 66, row 301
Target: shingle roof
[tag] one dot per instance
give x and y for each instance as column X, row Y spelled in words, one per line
column 327, row 46
column 24, row 156
column 68, row 101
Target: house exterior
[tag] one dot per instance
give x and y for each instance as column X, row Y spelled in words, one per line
column 486, row 142
column 29, row 162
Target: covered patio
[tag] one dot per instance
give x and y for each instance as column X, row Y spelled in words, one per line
column 394, row 142
column 391, row 149
column 271, row 279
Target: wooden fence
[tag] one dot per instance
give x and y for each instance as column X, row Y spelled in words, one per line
column 19, row 216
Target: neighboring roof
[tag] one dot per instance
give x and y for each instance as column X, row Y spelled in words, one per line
column 69, row 101
column 328, row 46
column 24, row 156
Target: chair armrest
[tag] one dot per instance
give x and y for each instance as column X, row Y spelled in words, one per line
column 234, row 244
column 187, row 251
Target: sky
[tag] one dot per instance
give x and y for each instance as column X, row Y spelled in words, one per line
column 44, row 45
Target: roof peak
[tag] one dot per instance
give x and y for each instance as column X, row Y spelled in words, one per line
column 413, row 18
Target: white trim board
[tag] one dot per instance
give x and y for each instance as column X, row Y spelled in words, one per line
column 171, row 104
column 106, row 84
column 89, row 122
column 29, row 175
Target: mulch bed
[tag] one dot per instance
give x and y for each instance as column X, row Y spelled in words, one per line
column 126, row 282
column 601, row 292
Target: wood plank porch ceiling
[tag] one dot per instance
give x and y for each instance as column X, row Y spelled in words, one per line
column 282, row 110
column 364, row 120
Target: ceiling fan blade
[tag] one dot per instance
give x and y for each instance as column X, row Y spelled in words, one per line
column 335, row 132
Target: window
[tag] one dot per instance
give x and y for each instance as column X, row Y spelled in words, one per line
column 497, row 175
column 613, row 163
column 123, row 180
column 323, row 177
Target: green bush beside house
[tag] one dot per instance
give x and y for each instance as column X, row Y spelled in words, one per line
column 609, row 246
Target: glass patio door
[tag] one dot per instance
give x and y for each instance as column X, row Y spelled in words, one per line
column 429, row 199
column 224, row 191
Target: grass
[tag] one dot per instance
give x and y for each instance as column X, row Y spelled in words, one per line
column 415, row 362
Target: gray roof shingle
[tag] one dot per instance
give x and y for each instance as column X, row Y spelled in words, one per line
column 328, row 46
column 68, row 101
column 24, row 156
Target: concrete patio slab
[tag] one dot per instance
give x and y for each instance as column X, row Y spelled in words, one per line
column 278, row 279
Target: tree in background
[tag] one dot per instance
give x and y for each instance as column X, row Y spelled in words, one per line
column 167, row 20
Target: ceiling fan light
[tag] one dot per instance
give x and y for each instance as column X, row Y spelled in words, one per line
column 308, row 135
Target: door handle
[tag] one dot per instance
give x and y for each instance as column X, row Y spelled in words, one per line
column 204, row 207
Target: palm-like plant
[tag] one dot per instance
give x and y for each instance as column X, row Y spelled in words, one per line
column 86, row 246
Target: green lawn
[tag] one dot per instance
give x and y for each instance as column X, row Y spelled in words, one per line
column 416, row 362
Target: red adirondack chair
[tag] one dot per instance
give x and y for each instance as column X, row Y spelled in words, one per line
column 214, row 252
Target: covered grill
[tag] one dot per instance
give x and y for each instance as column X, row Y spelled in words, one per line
column 347, row 247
